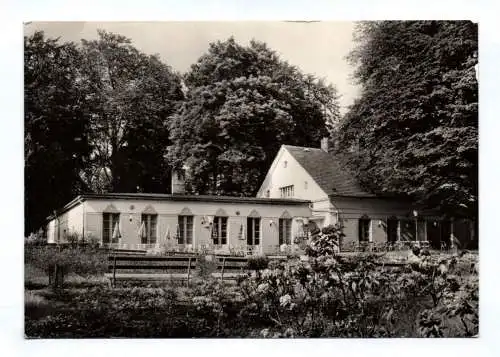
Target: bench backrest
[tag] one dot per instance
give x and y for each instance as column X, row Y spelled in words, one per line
column 144, row 262
column 231, row 263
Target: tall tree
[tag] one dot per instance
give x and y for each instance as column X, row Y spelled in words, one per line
column 131, row 95
column 242, row 103
column 55, row 127
column 414, row 129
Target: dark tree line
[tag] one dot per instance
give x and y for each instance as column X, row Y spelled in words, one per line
column 56, row 127
column 414, row 129
column 96, row 120
column 101, row 116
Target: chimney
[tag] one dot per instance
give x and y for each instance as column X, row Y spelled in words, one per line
column 324, row 144
column 178, row 184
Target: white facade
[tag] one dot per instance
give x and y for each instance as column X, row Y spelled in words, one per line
column 285, row 171
column 86, row 218
column 69, row 222
column 387, row 219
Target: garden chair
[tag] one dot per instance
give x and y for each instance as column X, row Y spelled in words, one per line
column 425, row 244
column 399, row 245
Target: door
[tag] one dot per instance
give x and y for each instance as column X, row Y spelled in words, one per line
column 434, row 234
column 445, row 233
column 392, row 230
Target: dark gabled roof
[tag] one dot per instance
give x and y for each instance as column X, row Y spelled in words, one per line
column 328, row 172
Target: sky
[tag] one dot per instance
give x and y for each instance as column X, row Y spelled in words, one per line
column 318, row 48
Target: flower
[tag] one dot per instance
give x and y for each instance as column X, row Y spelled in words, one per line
column 443, row 269
column 266, row 273
column 262, row 288
column 285, row 300
column 289, row 332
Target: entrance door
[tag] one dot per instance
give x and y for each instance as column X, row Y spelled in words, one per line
column 445, row 233
column 392, row 230
column 434, row 234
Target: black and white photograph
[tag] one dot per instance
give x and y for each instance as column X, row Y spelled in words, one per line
column 251, row 179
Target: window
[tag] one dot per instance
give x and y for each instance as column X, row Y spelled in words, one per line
column 285, row 231
column 421, row 230
column 148, row 224
column 286, row 191
column 253, row 231
column 185, row 231
column 364, row 229
column 304, row 230
column 110, row 228
column 408, row 228
column 219, row 230
column 305, row 185
column 285, row 164
column 268, row 193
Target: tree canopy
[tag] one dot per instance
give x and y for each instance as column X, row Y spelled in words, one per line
column 242, row 103
column 55, row 127
column 130, row 96
column 414, row 129
column 96, row 120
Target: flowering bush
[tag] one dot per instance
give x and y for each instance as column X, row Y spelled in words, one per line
column 326, row 241
column 257, row 262
column 34, row 239
column 452, row 283
column 329, row 295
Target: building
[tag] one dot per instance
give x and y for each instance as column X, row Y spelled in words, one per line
column 317, row 175
column 181, row 222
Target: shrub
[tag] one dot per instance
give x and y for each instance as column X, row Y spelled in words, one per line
column 206, row 265
column 453, row 285
column 257, row 262
column 35, row 239
column 59, row 260
column 326, row 296
column 325, row 242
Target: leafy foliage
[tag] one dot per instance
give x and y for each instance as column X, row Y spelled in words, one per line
column 327, row 296
column 81, row 258
column 55, row 127
column 325, row 242
column 241, row 104
column 130, row 96
column 258, row 262
column 414, row 129
column 96, row 119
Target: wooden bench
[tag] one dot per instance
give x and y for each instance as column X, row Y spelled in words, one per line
column 149, row 268
column 230, row 267
column 121, row 252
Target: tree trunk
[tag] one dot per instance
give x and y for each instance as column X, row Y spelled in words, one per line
column 114, row 164
column 58, row 277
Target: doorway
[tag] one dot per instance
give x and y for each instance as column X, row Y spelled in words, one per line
column 434, row 234
column 392, row 230
column 445, row 233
